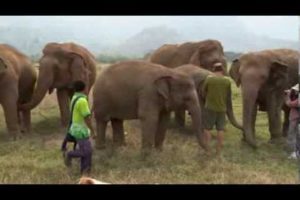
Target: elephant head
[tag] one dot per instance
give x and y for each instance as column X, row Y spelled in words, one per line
column 256, row 73
column 208, row 54
column 179, row 91
column 59, row 67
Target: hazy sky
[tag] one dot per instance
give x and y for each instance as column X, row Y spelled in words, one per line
column 282, row 27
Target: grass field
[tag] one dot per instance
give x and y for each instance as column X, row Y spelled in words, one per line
column 37, row 157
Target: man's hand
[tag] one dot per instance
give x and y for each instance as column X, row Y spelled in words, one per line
column 88, row 122
column 93, row 134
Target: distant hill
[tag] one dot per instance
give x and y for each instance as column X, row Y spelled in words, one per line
column 152, row 38
column 132, row 40
column 148, row 40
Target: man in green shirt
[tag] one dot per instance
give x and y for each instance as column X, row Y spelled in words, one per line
column 216, row 90
column 81, row 129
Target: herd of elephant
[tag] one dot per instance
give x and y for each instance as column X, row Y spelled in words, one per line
column 169, row 79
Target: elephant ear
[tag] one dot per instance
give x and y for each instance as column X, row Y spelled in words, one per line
column 77, row 58
column 195, row 58
column 278, row 73
column 163, row 86
column 3, row 65
column 234, row 72
column 78, row 67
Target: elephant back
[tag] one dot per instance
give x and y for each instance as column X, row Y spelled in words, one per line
column 174, row 55
column 15, row 60
column 197, row 73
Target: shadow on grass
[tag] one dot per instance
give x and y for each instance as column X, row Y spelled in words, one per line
column 4, row 136
column 47, row 126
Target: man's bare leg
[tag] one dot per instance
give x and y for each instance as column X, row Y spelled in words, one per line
column 207, row 140
column 220, row 140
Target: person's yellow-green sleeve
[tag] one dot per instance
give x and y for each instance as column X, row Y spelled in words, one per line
column 83, row 107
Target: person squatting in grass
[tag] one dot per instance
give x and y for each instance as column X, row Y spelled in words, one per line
column 216, row 91
column 80, row 129
column 291, row 100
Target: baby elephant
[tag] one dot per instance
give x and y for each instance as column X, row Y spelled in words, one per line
column 145, row 91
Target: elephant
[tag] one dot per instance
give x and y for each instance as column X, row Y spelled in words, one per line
column 142, row 90
column 205, row 54
column 198, row 75
column 17, row 81
column 61, row 65
column 263, row 77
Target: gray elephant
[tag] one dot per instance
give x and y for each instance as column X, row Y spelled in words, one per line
column 17, row 80
column 199, row 75
column 263, row 77
column 144, row 91
column 205, row 54
column 61, row 65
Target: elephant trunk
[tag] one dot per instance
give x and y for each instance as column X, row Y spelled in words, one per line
column 195, row 111
column 44, row 83
column 249, row 93
column 231, row 115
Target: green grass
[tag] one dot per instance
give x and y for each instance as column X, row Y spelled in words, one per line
column 37, row 157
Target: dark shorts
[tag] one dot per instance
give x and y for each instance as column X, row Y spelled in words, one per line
column 212, row 118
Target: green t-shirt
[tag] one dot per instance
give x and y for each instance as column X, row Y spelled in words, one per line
column 81, row 110
column 216, row 90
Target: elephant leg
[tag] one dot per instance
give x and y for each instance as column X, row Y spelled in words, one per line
column 9, row 104
column 149, row 128
column 26, row 118
column 118, row 132
column 254, row 114
column 161, row 130
column 20, row 121
column 148, row 115
column 63, row 102
column 275, row 123
column 101, row 130
column 202, row 103
column 180, row 117
column 285, row 127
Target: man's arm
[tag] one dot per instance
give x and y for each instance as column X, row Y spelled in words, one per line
column 88, row 122
column 85, row 111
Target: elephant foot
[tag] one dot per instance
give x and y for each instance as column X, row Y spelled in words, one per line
column 243, row 139
column 145, row 153
column 276, row 140
column 159, row 148
column 119, row 144
column 25, row 132
column 100, row 146
column 250, row 143
column 16, row 137
column 180, row 125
